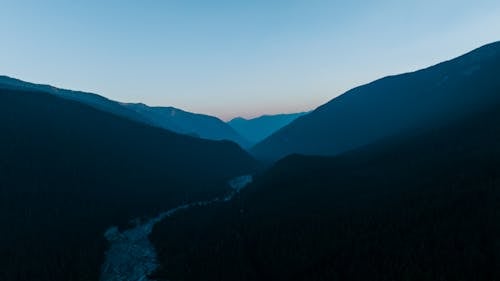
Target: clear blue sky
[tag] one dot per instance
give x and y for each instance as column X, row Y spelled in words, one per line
column 230, row 58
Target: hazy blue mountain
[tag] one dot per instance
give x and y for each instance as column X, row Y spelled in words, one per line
column 180, row 121
column 410, row 101
column 69, row 171
column 418, row 206
column 257, row 129
column 169, row 118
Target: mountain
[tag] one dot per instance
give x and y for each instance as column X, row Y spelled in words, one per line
column 422, row 205
column 179, row 121
column 94, row 100
column 69, row 171
column 386, row 107
column 257, row 129
column 169, row 118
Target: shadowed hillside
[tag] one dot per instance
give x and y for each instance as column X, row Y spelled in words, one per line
column 69, row 171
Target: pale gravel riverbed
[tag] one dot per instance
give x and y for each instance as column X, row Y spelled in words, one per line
column 131, row 256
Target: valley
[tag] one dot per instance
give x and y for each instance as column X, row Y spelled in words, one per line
column 396, row 179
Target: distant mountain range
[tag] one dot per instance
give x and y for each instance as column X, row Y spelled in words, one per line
column 257, row 129
column 392, row 105
column 68, row 171
column 173, row 119
column 183, row 122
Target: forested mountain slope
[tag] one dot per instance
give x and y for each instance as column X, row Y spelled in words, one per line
column 69, row 171
column 424, row 205
column 391, row 105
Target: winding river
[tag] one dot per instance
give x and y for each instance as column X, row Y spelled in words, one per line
column 131, row 256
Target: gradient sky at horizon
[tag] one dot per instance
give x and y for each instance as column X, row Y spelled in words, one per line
column 234, row 58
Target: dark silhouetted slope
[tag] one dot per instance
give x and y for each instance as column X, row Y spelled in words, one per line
column 69, row 171
column 423, row 205
column 390, row 105
column 257, row 129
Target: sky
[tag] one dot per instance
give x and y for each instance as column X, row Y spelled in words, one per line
column 231, row 58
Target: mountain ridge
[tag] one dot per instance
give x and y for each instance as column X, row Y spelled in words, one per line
column 181, row 121
column 218, row 130
column 385, row 106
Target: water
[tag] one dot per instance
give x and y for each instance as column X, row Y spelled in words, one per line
column 131, row 256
